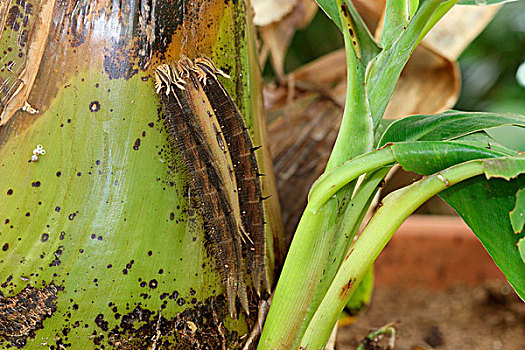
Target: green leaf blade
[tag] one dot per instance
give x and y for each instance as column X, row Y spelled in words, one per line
column 446, row 126
column 330, row 8
column 506, row 168
column 368, row 47
column 427, row 157
column 484, row 205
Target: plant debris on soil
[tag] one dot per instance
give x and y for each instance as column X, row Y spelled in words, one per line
column 487, row 317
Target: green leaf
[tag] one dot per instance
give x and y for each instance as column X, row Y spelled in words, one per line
column 364, row 43
column 367, row 48
column 482, row 138
column 483, row 2
column 446, row 126
column 506, row 168
column 480, row 204
column 428, row 157
column 517, row 215
column 485, row 206
column 332, row 11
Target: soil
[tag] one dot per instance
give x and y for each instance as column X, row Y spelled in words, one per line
column 487, row 317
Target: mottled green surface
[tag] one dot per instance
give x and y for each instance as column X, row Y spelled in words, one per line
column 98, row 236
column 102, row 214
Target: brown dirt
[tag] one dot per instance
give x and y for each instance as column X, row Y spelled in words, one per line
column 485, row 317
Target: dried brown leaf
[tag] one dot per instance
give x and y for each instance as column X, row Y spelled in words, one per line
column 270, row 11
column 430, row 83
column 458, row 28
column 277, row 36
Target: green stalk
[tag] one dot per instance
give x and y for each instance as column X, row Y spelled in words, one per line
column 318, row 247
column 301, row 271
column 361, row 200
column 331, row 182
column 351, row 222
column 306, row 276
column 396, row 208
column 356, row 134
column 384, row 72
column 396, row 19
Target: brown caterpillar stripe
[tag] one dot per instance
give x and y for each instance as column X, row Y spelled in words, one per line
column 245, row 166
column 184, row 119
column 211, row 129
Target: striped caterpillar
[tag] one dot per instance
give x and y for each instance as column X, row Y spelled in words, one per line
column 216, row 148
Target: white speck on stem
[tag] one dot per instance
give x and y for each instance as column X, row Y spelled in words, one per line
column 29, row 109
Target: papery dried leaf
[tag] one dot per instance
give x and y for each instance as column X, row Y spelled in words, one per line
column 430, row 83
column 277, row 36
column 462, row 24
column 269, row 11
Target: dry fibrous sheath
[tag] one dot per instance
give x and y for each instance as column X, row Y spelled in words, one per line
column 218, row 153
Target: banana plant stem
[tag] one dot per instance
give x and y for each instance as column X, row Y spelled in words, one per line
column 395, row 209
